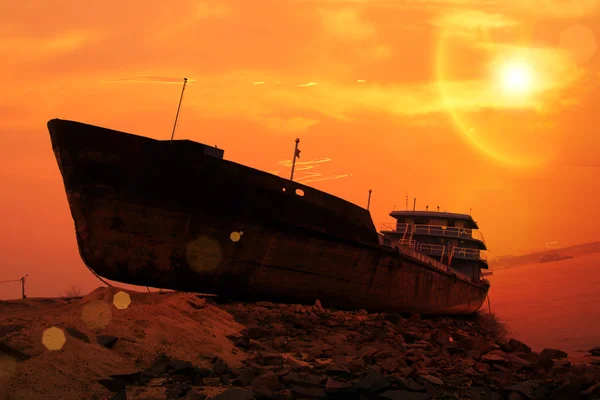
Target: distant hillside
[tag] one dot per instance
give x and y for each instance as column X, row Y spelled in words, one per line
column 511, row 261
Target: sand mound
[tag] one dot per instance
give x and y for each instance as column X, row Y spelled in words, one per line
column 57, row 348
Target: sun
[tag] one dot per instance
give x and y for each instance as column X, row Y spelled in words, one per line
column 516, row 77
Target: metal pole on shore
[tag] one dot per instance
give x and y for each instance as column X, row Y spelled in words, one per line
column 23, row 286
column 296, row 154
column 414, row 204
column 369, row 201
column 178, row 108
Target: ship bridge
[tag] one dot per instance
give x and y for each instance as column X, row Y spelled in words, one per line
column 451, row 238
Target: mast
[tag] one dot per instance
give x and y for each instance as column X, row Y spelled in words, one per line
column 178, row 108
column 296, row 155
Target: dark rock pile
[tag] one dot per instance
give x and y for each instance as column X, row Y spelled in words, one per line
column 299, row 352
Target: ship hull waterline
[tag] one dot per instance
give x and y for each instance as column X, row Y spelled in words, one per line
column 160, row 214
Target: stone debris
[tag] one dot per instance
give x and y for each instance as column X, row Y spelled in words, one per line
column 304, row 352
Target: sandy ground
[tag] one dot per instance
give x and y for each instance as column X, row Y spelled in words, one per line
column 49, row 348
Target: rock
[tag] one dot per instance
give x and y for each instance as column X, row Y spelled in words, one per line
column 516, row 360
column 593, row 391
column 121, row 395
column 177, row 390
column 268, row 380
column 194, row 394
column 404, row 395
column 441, row 337
column 107, row 340
column 546, row 364
column 178, row 367
column 475, row 343
column 373, row 383
column 302, row 392
column 515, row 346
column 552, row 354
column 406, row 383
column 267, row 358
column 389, row 365
column 114, row 385
column 257, row 332
column 336, row 388
column 415, row 318
column 411, row 336
column 431, row 379
column 516, row 396
column 334, row 370
column 136, row 378
column 318, row 307
column 212, row 381
column 235, row 394
column 567, row 391
column 77, row 334
column 595, row 351
column 244, row 378
column 525, row 389
column 495, row 357
column 5, row 349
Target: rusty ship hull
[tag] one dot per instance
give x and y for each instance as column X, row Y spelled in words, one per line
column 176, row 215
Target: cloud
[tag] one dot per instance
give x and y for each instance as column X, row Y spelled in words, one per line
column 347, row 24
column 472, row 19
column 559, row 9
column 17, row 49
column 303, row 170
column 150, row 79
column 293, row 124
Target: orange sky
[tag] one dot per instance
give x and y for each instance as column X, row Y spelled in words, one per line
column 389, row 95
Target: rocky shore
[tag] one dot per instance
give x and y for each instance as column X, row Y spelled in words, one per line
column 300, row 352
column 283, row 351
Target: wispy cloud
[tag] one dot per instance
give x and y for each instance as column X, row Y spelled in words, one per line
column 292, row 124
column 558, row 9
column 472, row 19
column 23, row 49
column 304, row 170
column 307, row 84
column 150, row 79
column 347, row 24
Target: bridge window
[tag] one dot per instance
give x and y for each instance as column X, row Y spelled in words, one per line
column 300, row 192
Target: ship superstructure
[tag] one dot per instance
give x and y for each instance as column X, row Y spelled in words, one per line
column 449, row 238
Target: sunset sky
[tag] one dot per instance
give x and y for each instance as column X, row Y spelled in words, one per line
column 489, row 105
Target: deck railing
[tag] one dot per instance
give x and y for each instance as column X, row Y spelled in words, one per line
column 471, row 254
column 438, row 250
column 436, row 230
column 416, row 250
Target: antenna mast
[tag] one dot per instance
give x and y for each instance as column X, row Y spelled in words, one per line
column 178, row 108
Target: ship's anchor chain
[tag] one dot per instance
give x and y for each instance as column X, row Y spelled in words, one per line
column 88, row 267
